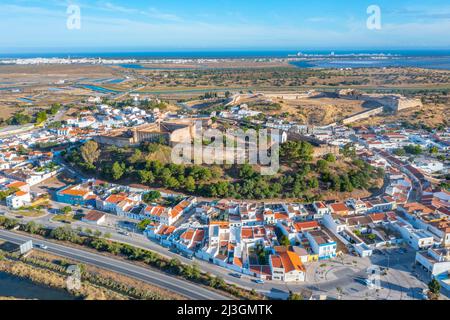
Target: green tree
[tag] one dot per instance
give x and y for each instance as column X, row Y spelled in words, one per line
column 400, row 152
column 189, row 184
column 349, row 150
column 330, row 157
column 97, row 233
column 146, row 177
column 90, row 152
column 66, row 210
column 54, row 109
column 117, row 171
column 296, row 152
column 294, row 296
column 151, row 196
column 322, row 166
column 434, row 150
column 32, row 227
column 143, row 224
column 435, row 288
column 41, row 117
column 284, row 241
column 413, row 149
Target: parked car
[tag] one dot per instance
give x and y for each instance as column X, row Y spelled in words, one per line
column 259, row 281
column 236, row 275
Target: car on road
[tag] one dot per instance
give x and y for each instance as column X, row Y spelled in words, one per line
column 79, row 211
column 124, row 233
column 236, row 275
column 41, row 246
column 259, row 281
column 19, row 217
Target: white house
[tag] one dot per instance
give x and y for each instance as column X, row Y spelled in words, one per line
column 286, row 266
column 18, row 200
column 437, row 262
column 416, row 238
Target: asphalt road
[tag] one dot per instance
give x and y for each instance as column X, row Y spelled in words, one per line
column 185, row 288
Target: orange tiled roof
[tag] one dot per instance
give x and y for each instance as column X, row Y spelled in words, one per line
column 16, row 184
column 75, row 192
column 246, row 233
column 115, row 198
column 339, row 207
column 291, row 261
column 276, row 261
column 300, row 226
column 187, row 235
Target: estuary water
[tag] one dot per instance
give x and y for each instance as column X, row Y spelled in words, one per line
column 11, row 286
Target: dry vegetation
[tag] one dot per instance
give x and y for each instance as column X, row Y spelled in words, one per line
column 98, row 284
column 431, row 115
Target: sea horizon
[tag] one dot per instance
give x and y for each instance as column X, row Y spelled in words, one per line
column 221, row 54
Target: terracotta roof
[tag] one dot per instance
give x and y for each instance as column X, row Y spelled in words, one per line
column 187, row 235
column 115, row 198
column 281, row 216
column 199, row 235
column 276, row 261
column 300, row 226
column 415, row 206
column 320, row 205
column 377, row 216
column 237, row 261
column 247, row 233
column 94, row 215
column 339, row 207
column 291, row 261
column 74, row 192
column 16, row 184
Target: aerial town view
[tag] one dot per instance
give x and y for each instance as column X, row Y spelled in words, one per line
column 174, row 151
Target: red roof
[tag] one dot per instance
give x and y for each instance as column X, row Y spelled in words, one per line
column 300, row 226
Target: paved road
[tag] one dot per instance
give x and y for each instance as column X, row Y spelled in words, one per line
column 187, row 289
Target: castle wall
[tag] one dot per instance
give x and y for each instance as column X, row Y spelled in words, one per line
column 363, row 115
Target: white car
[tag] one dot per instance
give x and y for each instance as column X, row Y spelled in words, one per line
column 42, row 246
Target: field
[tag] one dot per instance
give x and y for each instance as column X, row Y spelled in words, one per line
column 30, row 88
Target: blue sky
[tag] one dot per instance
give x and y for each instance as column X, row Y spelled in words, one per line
column 40, row 25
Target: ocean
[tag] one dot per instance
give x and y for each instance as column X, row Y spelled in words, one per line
column 431, row 59
column 230, row 54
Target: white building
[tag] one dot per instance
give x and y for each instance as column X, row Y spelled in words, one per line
column 416, row 238
column 437, row 262
column 18, row 200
